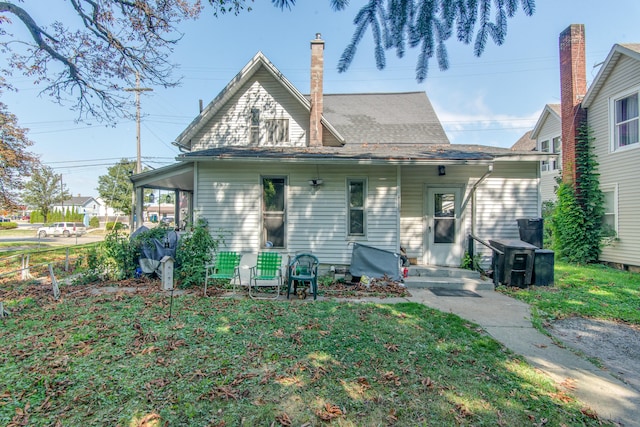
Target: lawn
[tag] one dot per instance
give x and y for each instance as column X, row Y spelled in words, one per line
column 594, row 291
column 118, row 359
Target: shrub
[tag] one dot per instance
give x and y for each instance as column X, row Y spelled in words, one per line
column 194, row 252
column 8, row 225
column 94, row 222
column 109, row 226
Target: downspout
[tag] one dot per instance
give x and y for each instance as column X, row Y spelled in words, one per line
column 472, row 196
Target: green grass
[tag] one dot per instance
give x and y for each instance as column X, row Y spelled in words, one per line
column 594, row 291
column 116, row 359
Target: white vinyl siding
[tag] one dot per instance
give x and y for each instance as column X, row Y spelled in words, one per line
column 618, row 167
column 245, row 118
column 229, row 197
column 508, row 193
column 550, row 131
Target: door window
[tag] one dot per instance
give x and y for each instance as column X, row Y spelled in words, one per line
column 444, row 218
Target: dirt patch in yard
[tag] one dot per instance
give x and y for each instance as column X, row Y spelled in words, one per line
column 615, row 345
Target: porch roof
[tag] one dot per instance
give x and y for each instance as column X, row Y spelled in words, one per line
column 387, row 153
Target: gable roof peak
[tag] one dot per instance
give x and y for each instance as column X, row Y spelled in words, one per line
column 631, row 50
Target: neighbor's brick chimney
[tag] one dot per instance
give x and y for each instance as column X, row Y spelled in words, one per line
column 573, row 87
column 317, row 70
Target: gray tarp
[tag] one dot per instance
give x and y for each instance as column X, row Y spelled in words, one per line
column 152, row 252
column 374, row 263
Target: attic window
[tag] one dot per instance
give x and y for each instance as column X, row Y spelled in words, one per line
column 277, row 130
column 254, row 131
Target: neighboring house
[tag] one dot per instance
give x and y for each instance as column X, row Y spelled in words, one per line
column 610, row 108
column 82, row 205
column 547, row 135
column 277, row 169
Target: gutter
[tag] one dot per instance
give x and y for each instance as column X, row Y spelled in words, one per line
column 471, row 195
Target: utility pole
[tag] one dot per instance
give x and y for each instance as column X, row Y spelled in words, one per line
column 137, row 90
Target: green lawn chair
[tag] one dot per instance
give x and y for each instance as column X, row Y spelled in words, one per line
column 226, row 266
column 303, row 271
column 266, row 273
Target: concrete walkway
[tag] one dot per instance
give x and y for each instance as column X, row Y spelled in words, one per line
column 509, row 321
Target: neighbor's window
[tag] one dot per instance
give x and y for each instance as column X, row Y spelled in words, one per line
column 609, row 220
column 557, row 149
column 254, row 130
column 357, row 205
column 277, row 130
column 544, row 147
column 626, row 121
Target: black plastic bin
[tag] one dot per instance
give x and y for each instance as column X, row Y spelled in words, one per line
column 515, row 266
column 531, row 230
column 543, row 268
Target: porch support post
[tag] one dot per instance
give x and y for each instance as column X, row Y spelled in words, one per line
column 139, row 198
column 176, row 207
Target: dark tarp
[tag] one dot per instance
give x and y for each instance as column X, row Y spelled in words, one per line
column 155, row 249
column 374, row 263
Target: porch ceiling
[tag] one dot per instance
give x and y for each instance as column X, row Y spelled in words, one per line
column 174, row 177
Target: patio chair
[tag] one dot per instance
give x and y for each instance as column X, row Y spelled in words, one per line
column 266, row 273
column 224, row 267
column 303, row 271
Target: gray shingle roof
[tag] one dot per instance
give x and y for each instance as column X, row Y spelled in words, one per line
column 401, row 153
column 525, row 143
column 372, row 118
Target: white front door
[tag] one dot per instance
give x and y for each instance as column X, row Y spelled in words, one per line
column 443, row 226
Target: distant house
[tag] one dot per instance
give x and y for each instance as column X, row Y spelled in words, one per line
column 547, row 134
column 82, row 205
column 610, row 108
column 283, row 171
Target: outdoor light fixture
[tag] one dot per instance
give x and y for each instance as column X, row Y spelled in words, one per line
column 441, row 170
column 315, row 182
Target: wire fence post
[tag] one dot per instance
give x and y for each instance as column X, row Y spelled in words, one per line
column 3, row 312
column 66, row 261
column 54, row 283
column 25, row 274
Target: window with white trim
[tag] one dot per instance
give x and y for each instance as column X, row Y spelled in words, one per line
column 626, row 121
column 277, row 130
column 610, row 217
column 557, row 149
column 357, row 194
column 254, row 129
column 544, row 147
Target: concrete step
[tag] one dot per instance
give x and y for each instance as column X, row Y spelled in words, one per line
column 436, row 271
column 446, row 277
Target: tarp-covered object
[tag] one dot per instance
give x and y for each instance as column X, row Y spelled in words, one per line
column 155, row 249
column 374, row 263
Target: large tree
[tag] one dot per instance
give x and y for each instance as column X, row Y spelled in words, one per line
column 116, row 188
column 16, row 162
column 88, row 62
column 45, row 190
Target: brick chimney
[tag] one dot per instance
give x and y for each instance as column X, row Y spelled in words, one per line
column 573, row 87
column 317, row 70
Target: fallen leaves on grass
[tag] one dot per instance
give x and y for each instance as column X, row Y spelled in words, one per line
column 329, row 412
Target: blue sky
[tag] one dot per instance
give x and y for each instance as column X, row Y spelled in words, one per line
column 491, row 100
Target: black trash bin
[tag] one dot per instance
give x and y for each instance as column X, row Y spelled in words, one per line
column 543, row 268
column 515, row 266
column 531, row 230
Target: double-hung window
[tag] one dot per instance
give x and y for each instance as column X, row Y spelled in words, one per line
column 544, row 147
column 277, row 130
column 626, row 121
column 254, row 128
column 357, row 200
column 610, row 217
column 557, row 149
